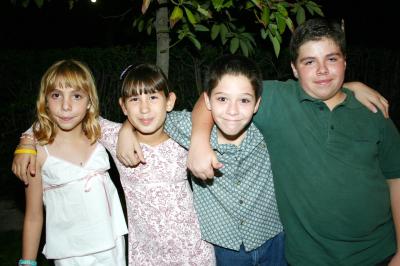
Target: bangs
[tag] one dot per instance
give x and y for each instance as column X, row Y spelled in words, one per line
column 135, row 88
column 68, row 78
column 141, row 82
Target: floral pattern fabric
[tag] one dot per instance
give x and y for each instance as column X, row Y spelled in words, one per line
column 163, row 225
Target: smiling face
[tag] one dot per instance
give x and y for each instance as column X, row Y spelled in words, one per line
column 232, row 104
column 320, row 69
column 67, row 107
column 147, row 112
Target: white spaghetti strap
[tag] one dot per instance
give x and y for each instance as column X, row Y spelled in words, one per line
column 45, row 148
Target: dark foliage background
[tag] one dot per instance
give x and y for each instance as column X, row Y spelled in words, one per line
column 21, row 70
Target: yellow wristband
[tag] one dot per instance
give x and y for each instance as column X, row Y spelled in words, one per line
column 25, row 151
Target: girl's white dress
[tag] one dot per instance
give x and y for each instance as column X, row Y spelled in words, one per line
column 163, row 225
column 83, row 211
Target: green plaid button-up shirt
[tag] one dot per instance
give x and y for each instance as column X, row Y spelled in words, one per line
column 239, row 205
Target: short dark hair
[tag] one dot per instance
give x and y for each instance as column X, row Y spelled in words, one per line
column 313, row 30
column 233, row 65
column 143, row 78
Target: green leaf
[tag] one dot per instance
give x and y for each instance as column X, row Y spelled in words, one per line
column 315, row 7
column 265, row 16
column 223, row 32
column 234, row 45
column 25, row 3
column 204, row 12
column 276, row 44
column 282, row 10
column 135, row 22
column 281, row 22
column 257, row 3
column 215, row 29
column 300, row 16
column 39, row 3
column 149, row 27
column 199, row 27
column 264, row 33
column 217, row 4
column 192, row 19
column 176, row 15
column 141, row 25
column 244, row 47
column 289, row 24
column 249, row 38
column 195, row 42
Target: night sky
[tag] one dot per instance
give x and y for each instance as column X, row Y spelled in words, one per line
column 87, row 24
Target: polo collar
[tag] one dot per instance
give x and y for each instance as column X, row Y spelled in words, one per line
column 350, row 101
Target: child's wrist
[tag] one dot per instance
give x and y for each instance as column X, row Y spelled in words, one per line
column 28, row 136
column 22, row 262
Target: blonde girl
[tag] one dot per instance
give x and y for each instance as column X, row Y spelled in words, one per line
column 84, row 219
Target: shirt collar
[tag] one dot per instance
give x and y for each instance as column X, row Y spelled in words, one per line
column 252, row 138
column 350, row 101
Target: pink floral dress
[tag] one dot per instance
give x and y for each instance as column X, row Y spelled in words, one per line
column 162, row 222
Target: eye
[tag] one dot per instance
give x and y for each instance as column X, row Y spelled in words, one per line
column 153, row 97
column 55, row 95
column 308, row 62
column 133, row 99
column 222, row 99
column 333, row 59
column 77, row 96
column 245, row 100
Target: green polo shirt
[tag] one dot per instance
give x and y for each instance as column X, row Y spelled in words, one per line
column 330, row 170
column 239, row 205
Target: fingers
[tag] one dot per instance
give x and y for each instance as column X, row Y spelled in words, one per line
column 20, row 167
column 382, row 104
column 138, row 152
column 32, row 165
column 129, row 160
column 385, row 106
column 215, row 163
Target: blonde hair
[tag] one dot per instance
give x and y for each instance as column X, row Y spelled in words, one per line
column 68, row 74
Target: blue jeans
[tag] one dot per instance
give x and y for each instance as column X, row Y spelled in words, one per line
column 271, row 253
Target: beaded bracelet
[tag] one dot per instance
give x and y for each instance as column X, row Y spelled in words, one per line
column 22, row 262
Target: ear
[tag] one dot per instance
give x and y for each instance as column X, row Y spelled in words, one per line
column 257, row 105
column 296, row 75
column 88, row 106
column 171, row 101
column 122, row 104
column 207, row 101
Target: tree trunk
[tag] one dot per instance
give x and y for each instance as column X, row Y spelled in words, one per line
column 163, row 40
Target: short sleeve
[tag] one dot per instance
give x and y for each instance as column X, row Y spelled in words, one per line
column 109, row 133
column 178, row 126
column 389, row 150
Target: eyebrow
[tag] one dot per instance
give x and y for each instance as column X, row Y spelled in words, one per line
column 248, row 94
column 313, row 57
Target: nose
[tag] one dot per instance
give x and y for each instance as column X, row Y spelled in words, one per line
column 66, row 104
column 144, row 106
column 232, row 108
column 322, row 69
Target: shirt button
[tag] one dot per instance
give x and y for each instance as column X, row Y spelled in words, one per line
column 238, row 182
column 241, row 222
column 332, row 127
column 240, row 201
column 321, row 108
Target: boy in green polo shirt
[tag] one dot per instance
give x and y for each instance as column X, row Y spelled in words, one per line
column 336, row 164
